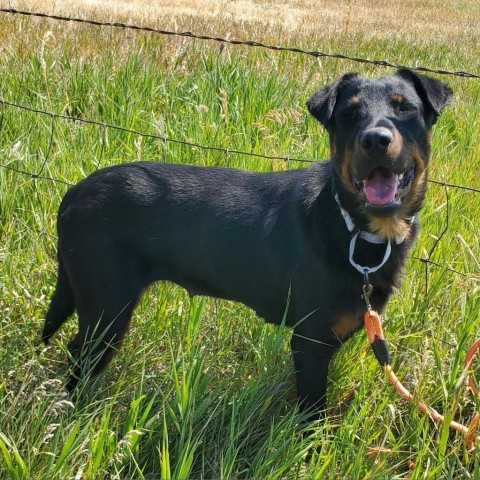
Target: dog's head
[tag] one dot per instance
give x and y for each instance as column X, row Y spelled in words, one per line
column 380, row 143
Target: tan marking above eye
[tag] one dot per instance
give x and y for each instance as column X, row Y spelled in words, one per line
column 398, row 98
column 354, row 101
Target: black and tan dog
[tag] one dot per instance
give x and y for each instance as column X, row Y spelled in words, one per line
column 256, row 237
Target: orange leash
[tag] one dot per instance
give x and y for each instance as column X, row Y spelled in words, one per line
column 377, row 341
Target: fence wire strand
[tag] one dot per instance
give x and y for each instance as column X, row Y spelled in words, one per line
column 245, row 43
column 227, row 151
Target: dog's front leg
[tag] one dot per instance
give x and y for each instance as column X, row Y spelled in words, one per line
column 311, row 358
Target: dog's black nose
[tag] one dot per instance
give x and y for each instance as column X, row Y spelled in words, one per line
column 376, row 139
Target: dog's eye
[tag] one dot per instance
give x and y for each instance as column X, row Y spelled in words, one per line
column 349, row 111
column 405, row 108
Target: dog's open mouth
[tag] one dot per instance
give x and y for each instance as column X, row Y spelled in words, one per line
column 383, row 187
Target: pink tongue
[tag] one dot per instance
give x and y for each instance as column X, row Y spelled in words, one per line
column 380, row 187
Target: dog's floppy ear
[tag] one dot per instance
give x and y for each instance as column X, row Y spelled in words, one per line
column 322, row 102
column 434, row 93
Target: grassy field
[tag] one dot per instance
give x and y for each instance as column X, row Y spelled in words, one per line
column 200, row 387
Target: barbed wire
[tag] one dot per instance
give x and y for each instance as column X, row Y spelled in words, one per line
column 246, row 43
column 227, row 151
column 436, row 264
column 453, row 185
column 34, row 176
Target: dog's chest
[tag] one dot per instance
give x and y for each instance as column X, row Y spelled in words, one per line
column 346, row 324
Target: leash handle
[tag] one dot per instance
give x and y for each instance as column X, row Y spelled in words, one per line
column 379, row 345
column 472, row 428
column 373, row 326
column 468, row 360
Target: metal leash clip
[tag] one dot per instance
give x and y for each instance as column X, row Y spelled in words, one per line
column 367, row 289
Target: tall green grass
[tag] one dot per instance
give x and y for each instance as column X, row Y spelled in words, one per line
column 200, row 387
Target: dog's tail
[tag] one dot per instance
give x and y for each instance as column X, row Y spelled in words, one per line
column 61, row 306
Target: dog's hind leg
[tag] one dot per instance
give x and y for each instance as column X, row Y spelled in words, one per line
column 104, row 316
column 61, row 306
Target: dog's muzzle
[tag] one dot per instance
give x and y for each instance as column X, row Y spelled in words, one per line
column 383, row 188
